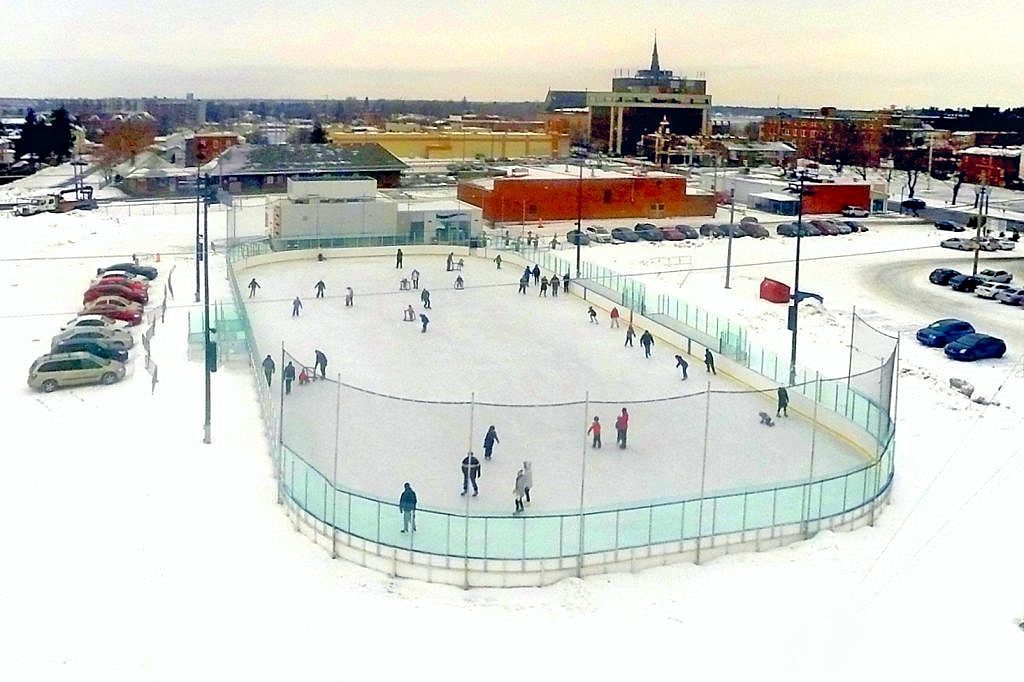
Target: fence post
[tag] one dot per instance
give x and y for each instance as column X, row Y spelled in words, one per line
column 703, row 469
column 334, row 476
column 583, row 478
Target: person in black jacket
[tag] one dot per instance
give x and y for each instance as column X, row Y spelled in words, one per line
column 709, row 361
column 253, row 286
column 407, row 505
column 536, row 275
column 398, row 259
column 320, row 286
column 320, row 363
column 289, row 377
column 489, row 440
column 783, row 408
column 682, row 365
column 470, row 472
column 646, row 340
column 268, row 368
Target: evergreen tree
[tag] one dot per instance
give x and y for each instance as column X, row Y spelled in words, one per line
column 60, row 135
column 318, row 135
column 31, row 143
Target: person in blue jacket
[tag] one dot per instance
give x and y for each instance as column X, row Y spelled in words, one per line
column 489, row 440
column 407, row 504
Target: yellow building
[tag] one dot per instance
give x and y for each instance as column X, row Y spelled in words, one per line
column 466, row 143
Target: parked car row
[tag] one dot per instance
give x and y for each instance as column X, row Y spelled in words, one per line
column 93, row 347
column 817, row 228
column 975, row 244
column 960, row 341
column 989, row 283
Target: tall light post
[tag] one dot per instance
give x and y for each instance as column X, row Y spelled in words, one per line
column 199, row 252
column 793, row 309
column 728, row 253
column 579, row 217
column 211, row 349
column 977, row 236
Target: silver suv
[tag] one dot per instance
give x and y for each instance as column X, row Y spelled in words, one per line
column 115, row 337
column 51, row 372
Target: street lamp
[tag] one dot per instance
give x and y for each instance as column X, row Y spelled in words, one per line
column 579, row 217
column 793, row 309
column 728, row 253
column 978, row 220
column 210, row 348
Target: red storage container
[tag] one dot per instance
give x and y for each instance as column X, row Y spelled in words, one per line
column 774, row 291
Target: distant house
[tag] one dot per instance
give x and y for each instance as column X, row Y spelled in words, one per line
column 149, row 174
column 246, row 169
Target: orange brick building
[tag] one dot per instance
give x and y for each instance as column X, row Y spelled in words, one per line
column 213, row 144
column 557, row 193
column 999, row 166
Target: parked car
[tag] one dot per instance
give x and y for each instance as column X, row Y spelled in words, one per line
column 914, row 204
column 1010, row 295
column 826, row 227
column 855, row 226
column 98, row 290
column 111, row 299
column 624, row 234
column 967, row 283
column 132, row 316
column 93, row 321
column 976, row 347
column 748, row 219
column 688, row 231
column 97, row 348
column 999, row 244
column 577, row 238
column 959, row 244
column 941, row 332
column 990, row 275
column 754, row 229
column 599, row 235
column 146, row 271
column 118, row 338
column 949, row 226
column 941, row 276
column 671, row 234
column 709, row 230
column 855, row 212
column 649, row 232
column 842, row 227
column 133, row 282
column 990, row 289
column 51, row 372
column 790, row 230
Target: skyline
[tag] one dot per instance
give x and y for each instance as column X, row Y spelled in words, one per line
column 790, row 56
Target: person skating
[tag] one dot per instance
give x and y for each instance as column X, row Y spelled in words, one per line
column 527, row 272
column 415, row 276
column 398, row 259
column 630, row 333
column 425, row 297
column 595, row 428
column 709, row 361
column 460, row 283
column 320, row 286
column 565, row 283
column 783, row 409
column 289, row 376
column 536, row 274
column 489, row 440
column 497, row 261
column 682, row 365
column 621, row 426
column 461, row 264
column 303, row 377
column 543, row 287
column 296, row 307
column 646, row 340
column 614, row 315
column 268, row 368
column 407, row 505
column 524, row 282
column 349, row 297
column 403, row 284
column 320, row 363
column 554, row 285
column 527, row 479
column 470, row 472
column 593, row 315
column 425, row 321
column 448, row 264
column 766, row 418
column 409, row 315
column 519, row 491
column 253, row 286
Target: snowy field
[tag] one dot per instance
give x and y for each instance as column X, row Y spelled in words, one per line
column 133, row 551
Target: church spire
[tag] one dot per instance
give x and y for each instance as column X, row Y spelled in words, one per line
column 655, row 67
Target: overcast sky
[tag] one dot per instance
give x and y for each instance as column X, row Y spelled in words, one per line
column 846, row 53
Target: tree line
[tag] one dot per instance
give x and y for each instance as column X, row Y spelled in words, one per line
column 47, row 140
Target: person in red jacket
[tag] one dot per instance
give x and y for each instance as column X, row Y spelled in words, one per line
column 595, row 428
column 621, row 424
column 615, row 317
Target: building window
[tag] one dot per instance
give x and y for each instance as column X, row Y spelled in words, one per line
column 607, row 196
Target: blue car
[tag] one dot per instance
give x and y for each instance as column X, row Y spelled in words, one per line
column 976, row 347
column 941, row 332
column 624, row 234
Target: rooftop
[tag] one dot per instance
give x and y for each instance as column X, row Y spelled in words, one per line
column 561, row 171
column 280, row 158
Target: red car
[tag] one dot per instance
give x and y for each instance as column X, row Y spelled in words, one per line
column 132, row 316
column 671, row 234
column 130, row 293
column 140, row 284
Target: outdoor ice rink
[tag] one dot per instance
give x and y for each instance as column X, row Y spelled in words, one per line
column 523, row 363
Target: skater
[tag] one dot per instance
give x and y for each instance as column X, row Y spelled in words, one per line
column 268, row 368
column 320, row 257
column 489, row 440
column 497, row 261
column 320, row 363
column 425, row 297
column 543, row 287
column 682, row 365
column 415, row 274
column 253, row 286
column 349, row 296
column 595, row 428
column 646, row 340
column 554, row 242
column 621, row 426
column 536, row 274
column 320, row 286
column 296, row 307
column 425, row 320
column 527, row 272
column 460, row 283
column 709, row 361
column 409, row 315
column 461, row 264
column 398, row 259
column 614, row 314
column 519, row 491
column 407, row 505
column 630, row 333
column 448, row 262
column 766, row 419
column 289, row 376
column 593, row 315
column 527, row 479
column 524, row 282
column 565, row 283
column 554, row 285
column 403, row 284
column 470, row 472
column 303, row 377
column 783, row 409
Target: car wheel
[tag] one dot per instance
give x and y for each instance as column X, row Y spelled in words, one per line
column 108, row 378
column 49, row 386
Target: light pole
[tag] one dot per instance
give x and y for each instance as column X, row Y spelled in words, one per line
column 211, row 350
column 793, row 310
column 977, row 236
column 728, row 253
column 199, row 251
column 579, row 217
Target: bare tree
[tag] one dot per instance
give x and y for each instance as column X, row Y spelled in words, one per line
column 957, row 182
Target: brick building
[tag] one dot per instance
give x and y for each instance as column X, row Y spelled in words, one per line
column 213, row 144
column 999, row 166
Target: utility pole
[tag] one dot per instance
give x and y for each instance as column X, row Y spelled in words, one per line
column 728, row 253
column 793, row 310
column 579, row 217
column 199, row 251
column 928, row 180
column 211, row 349
column 977, row 235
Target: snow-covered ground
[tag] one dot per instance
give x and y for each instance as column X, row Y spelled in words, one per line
column 133, row 551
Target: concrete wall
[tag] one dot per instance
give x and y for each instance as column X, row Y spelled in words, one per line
column 337, row 219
